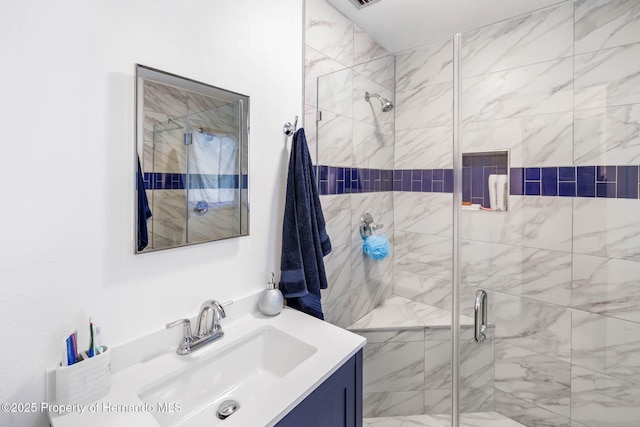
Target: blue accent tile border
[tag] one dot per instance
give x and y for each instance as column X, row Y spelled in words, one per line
column 614, row 182
column 177, row 181
column 345, row 180
column 621, row 182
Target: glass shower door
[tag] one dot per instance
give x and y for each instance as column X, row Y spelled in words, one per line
column 558, row 255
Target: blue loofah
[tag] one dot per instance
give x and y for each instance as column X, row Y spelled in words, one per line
column 376, row 247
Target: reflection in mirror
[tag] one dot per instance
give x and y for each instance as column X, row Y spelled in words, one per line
column 191, row 154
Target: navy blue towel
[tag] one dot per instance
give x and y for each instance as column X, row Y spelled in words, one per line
column 304, row 238
column 144, row 212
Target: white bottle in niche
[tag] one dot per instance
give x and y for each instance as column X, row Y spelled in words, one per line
column 271, row 300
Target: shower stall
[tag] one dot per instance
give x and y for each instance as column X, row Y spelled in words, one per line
column 505, row 172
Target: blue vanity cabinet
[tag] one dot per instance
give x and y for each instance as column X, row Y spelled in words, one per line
column 337, row 402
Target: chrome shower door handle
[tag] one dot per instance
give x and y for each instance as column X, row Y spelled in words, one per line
column 480, row 316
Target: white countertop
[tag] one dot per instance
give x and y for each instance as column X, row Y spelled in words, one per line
column 131, row 373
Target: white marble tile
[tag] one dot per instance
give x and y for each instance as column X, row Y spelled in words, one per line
column 365, row 48
column 527, row 413
column 423, row 421
column 161, row 98
column 536, row 222
column 607, row 77
column 533, row 377
column 429, row 106
column 169, row 204
column 438, row 334
column 608, row 135
column 425, row 213
column 334, row 138
column 337, row 214
column 208, row 227
column 424, row 148
column 389, row 316
column 531, row 325
column 380, row 206
column 383, row 422
column 423, row 254
column 606, row 286
column 606, row 345
column 541, row 140
column 169, row 154
column 477, row 365
column 328, row 31
column 338, row 270
column 430, row 290
column 394, row 335
column 311, row 131
column 385, row 404
column 335, row 92
column 197, row 102
column 539, row 274
column 437, row 401
column 316, row 64
column 486, row 419
column 607, row 228
column 168, row 232
column 437, row 365
column 535, row 37
column 372, row 146
column 524, row 91
column 601, row 24
column 479, row 419
column 476, row 400
column 337, row 311
column 599, row 400
column 380, row 71
column 371, row 112
column 393, row 367
column 425, row 66
column 371, row 282
column 432, row 316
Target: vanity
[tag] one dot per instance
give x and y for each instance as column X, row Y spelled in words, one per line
column 286, row 370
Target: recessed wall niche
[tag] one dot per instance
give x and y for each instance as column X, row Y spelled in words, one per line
column 485, row 183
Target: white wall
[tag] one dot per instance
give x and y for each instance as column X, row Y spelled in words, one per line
column 66, row 155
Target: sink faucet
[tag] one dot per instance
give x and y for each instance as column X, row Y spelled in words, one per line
column 208, row 328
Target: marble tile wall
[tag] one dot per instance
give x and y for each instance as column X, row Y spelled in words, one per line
column 424, row 137
column 357, row 136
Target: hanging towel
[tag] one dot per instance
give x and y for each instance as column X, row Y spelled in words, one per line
column 213, row 161
column 304, row 238
column 144, row 212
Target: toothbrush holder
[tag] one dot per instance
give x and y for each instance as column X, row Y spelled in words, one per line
column 85, row 381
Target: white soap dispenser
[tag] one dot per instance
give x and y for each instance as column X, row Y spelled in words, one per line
column 271, row 300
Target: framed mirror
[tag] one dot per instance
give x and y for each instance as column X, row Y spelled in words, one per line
column 191, row 162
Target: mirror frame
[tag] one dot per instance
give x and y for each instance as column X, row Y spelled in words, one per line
column 144, row 73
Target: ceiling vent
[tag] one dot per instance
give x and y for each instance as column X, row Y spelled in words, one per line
column 359, row 4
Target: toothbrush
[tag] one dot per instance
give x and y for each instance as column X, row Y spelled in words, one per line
column 91, row 352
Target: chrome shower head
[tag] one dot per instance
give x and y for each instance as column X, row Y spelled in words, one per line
column 385, row 104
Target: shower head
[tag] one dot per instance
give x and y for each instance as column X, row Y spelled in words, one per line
column 385, row 104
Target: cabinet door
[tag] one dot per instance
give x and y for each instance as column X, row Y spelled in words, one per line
column 337, row 402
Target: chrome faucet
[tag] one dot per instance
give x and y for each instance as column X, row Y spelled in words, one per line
column 208, row 328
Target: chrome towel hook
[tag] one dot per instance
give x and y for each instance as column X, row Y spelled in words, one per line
column 290, row 129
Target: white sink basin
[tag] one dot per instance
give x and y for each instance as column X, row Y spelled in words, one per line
column 267, row 364
column 250, row 367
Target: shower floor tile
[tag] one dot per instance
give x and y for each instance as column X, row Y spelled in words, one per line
column 477, row 419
